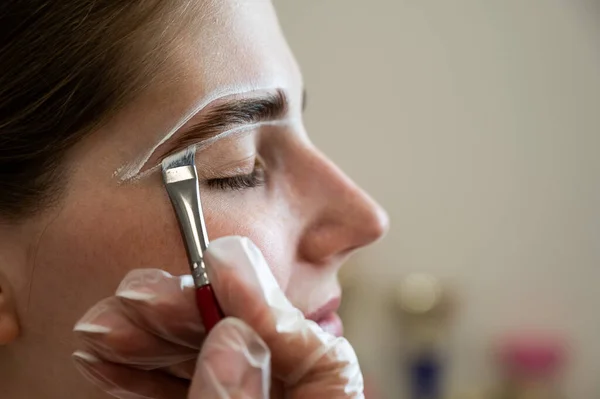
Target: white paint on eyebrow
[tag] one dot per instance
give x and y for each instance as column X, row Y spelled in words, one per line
column 207, row 143
column 131, row 170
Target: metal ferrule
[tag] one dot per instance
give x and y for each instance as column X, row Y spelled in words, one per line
column 182, row 186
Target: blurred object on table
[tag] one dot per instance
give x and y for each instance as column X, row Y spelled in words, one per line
column 531, row 367
column 425, row 309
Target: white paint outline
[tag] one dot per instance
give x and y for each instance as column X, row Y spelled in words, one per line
column 131, row 171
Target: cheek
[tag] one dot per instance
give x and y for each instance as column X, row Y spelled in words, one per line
column 259, row 220
column 96, row 239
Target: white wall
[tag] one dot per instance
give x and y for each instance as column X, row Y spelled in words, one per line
column 477, row 124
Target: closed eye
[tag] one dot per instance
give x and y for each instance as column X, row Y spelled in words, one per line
column 240, row 182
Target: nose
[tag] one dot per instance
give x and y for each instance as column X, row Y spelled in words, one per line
column 341, row 216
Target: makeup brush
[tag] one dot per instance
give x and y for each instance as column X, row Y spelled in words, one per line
column 181, row 180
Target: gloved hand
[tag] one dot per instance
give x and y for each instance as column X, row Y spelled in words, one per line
column 144, row 341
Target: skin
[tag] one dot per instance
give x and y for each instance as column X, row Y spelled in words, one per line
column 307, row 219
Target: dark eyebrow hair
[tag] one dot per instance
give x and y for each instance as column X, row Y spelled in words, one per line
column 233, row 113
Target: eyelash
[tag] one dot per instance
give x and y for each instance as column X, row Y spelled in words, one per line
column 241, row 182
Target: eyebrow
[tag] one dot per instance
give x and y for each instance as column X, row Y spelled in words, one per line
column 233, row 113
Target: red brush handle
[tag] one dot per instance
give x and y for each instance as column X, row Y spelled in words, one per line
column 210, row 311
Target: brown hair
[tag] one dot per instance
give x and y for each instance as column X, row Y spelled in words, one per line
column 66, row 67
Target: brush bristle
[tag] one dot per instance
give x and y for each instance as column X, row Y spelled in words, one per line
column 182, row 158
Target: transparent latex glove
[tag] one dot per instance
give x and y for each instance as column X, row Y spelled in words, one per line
column 144, row 341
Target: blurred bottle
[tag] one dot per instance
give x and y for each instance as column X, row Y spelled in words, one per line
column 531, row 368
column 425, row 312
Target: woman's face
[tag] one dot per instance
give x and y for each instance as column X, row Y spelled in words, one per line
column 265, row 181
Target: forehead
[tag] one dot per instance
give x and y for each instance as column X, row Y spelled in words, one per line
column 230, row 47
column 237, row 45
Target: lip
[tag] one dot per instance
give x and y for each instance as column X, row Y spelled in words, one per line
column 330, row 307
column 332, row 324
column 327, row 318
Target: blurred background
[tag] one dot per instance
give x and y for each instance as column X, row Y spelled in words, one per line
column 477, row 125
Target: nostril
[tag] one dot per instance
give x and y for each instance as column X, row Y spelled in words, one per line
column 350, row 250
